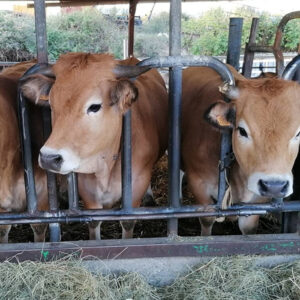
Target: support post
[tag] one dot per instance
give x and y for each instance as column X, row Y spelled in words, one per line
column 249, row 55
column 175, row 91
column 234, row 42
column 42, row 56
column 132, row 9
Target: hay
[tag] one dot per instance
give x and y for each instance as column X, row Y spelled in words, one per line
column 222, row 278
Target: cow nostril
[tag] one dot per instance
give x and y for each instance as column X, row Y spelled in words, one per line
column 273, row 188
column 263, row 185
column 51, row 162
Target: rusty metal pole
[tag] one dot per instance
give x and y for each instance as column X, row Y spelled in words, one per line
column 249, row 55
column 132, row 9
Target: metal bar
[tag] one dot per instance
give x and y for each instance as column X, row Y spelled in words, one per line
column 126, row 163
column 234, row 42
column 42, row 57
column 226, row 76
column 233, row 57
column 175, row 91
column 260, row 48
column 267, row 244
column 40, row 31
column 249, row 55
column 73, row 191
column 278, row 38
column 132, row 9
column 25, row 139
column 66, row 216
column 291, row 69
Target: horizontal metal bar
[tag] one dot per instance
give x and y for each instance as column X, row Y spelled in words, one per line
column 260, row 48
column 66, row 216
column 263, row 244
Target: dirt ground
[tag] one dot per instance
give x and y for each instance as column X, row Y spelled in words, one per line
column 152, row 228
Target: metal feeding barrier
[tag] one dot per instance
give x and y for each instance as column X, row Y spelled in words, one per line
column 151, row 247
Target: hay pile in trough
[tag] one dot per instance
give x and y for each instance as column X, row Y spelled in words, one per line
column 224, row 278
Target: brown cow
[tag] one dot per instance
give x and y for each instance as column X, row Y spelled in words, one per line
column 12, row 190
column 264, row 118
column 88, row 101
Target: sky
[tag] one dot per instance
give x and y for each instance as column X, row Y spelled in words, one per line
column 277, row 7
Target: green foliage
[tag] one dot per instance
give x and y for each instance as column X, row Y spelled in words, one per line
column 90, row 30
column 208, row 34
column 157, row 24
column 84, row 31
column 17, row 39
column 151, row 45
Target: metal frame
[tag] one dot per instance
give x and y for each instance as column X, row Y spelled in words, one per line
column 252, row 47
column 174, row 211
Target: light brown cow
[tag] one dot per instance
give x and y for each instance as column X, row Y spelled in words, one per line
column 12, row 189
column 88, row 101
column 264, row 117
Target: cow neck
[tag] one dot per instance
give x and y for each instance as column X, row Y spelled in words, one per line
column 108, row 165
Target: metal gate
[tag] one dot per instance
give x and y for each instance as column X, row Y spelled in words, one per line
column 152, row 247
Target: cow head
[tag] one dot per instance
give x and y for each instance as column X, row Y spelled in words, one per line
column 87, row 99
column 264, row 117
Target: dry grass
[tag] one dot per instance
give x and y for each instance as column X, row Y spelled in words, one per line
column 224, row 278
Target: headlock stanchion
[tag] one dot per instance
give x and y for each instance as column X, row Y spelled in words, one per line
column 127, row 212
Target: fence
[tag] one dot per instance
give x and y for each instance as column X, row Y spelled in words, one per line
column 149, row 247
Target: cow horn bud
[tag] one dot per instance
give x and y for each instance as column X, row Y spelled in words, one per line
column 229, row 91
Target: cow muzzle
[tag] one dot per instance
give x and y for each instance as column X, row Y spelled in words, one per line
column 271, row 186
column 61, row 161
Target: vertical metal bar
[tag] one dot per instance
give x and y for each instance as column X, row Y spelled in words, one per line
column 249, row 55
column 175, row 91
column 40, row 30
column 132, row 9
column 234, row 42
column 73, row 191
column 233, row 57
column 126, row 162
column 42, row 56
column 26, row 154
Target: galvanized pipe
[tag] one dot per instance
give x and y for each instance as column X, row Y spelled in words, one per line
column 126, row 162
column 42, row 56
column 291, row 69
column 234, row 42
column 73, row 191
column 175, row 91
column 67, row 216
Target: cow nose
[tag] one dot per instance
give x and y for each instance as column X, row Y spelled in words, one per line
column 51, row 162
column 272, row 188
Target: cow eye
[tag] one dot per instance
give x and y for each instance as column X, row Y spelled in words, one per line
column 94, row 108
column 242, row 132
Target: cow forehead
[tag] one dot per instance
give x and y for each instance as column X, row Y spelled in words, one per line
column 269, row 103
column 79, row 74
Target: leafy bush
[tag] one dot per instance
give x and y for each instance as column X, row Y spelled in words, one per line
column 86, row 31
column 17, row 39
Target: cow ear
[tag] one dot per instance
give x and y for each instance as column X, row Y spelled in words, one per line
column 36, row 88
column 221, row 115
column 123, row 93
